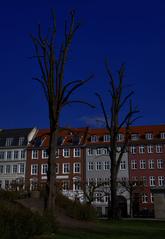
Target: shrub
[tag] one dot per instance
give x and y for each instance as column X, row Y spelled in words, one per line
column 16, row 221
column 75, row 209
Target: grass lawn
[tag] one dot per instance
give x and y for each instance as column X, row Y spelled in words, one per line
column 117, row 230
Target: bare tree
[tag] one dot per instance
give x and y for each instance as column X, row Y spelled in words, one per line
column 115, row 121
column 132, row 187
column 58, row 93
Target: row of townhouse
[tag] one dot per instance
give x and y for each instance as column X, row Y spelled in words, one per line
column 82, row 157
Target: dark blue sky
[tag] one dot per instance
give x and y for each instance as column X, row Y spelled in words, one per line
column 130, row 32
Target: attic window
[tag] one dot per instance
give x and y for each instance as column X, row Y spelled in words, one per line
column 9, row 141
column 149, row 136
column 94, row 138
column 134, row 136
column 21, row 141
column 162, row 135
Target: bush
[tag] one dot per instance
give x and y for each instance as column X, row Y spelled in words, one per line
column 75, row 209
column 12, row 195
column 16, row 221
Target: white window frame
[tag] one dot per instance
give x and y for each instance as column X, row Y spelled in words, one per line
column 34, row 154
column 77, row 167
column 142, row 164
column 45, row 153
column 134, row 137
column 15, row 168
column 150, row 149
column 144, row 198
column 123, row 165
column 21, row 140
column 66, row 168
column 151, row 164
column 21, row 168
column 90, row 166
column 152, row 181
column 160, row 163
column 141, row 149
column 44, row 169
column 9, row 141
column 162, row 135
column 23, row 154
column 133, row 164
column 106, row 165
column 160, row 181
column 99, row 151
column 120, row 137
column 2, row 154
column 34, row 169
column 94, row 138
column 106, row 138
column 98, row 165
column 76, row 152
column 66, row 152
column 7, row 169
column 57, row 168
column 1, row 169
column 149, row 136
column 90, row 151
column 159, row 148
column 133, row 149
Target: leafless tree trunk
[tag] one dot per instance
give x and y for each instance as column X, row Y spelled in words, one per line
column 58, row 94
column 114, row 123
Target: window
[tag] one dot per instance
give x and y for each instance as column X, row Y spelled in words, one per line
column 65, row 185
column 44, row 168
column 21, row 168
column 158, row 148
column 149, row 136
column 160, row 163
column 107, row 138
column 1, row 169
column 98, row 151
column 57, row 168
column 151, row 197
column 76, row 167
column 57, row 153
column 45, row 154
column 34, row 154
column 152, row 181
column 99, row 197
column 105, row 151
column 134, row 136
column 133, row 149
column 22, row 154
column 21, row 141
column 142, row 164
column 66, row 153
column 98, row 165
column 16, row 154
column 15, row 168
column 144, row 180
column 120, row 137
column 8, row 168
column 151, row 164
column 141, row 149
column 90, row 152
column 161, row 181
column 162, row 135
column 150, row 149
column 2, row 155
column 77, row 152
column 106, row 165
column 9, row 154
column 144, row 198
column 122, row 165
column 34, row 169
column 90, row 166
column 133, row 164
column 94, row 138
column 9, row 141
column 66, row 167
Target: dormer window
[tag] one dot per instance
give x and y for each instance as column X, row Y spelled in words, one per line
column 120, row 137
column 9, row 141
column 94, row 138
column 149, row 136
column 134, row 137
column 21, row 141
column 107, row 138
column 162, row 135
